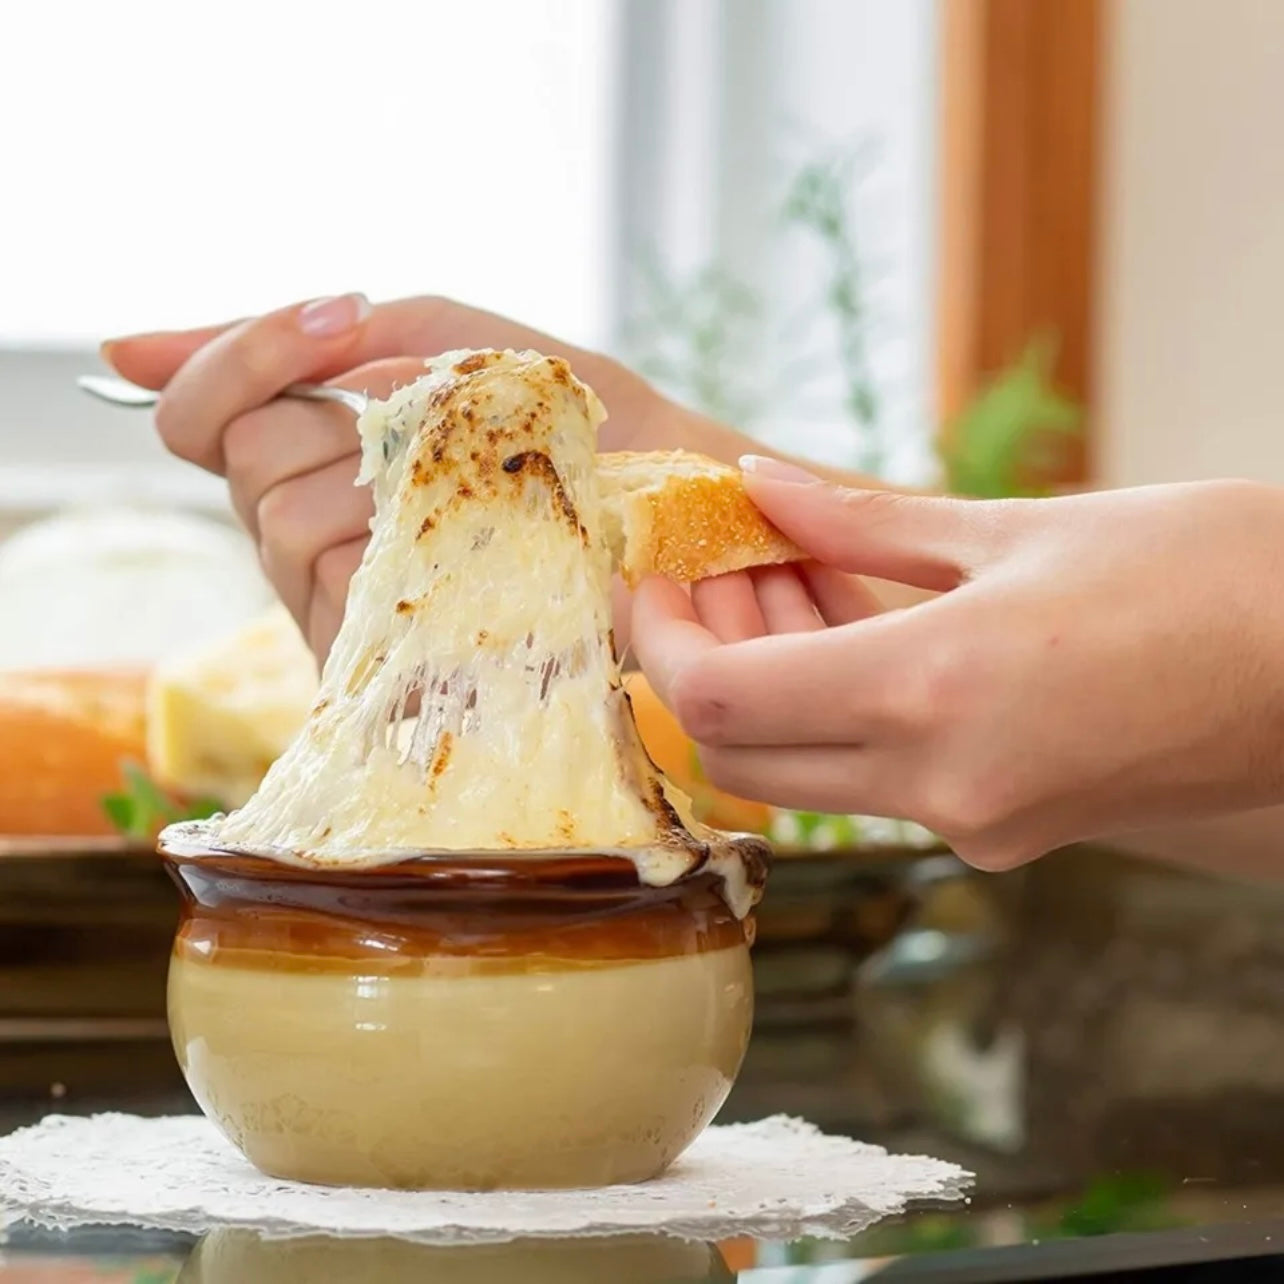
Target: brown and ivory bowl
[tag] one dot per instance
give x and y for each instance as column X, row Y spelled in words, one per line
column 459, row 1022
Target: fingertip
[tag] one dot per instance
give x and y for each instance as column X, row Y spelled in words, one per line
column 796, row 507
column 333, row 316
column 839, row 597
column 666, row 634
column 887, row 534
column 132, row 357
column 786, row 490
column 125, row 350
column 728, row 606
column 656, row 594
column 785, row 600
column 149, row 360
column 759, row 469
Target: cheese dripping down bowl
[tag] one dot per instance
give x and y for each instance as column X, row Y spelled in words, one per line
column 465, row 935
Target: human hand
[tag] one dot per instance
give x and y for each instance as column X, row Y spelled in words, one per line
column 291, row 465
column 1093, row 664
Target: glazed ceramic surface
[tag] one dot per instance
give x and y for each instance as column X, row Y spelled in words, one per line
column 457, row 1023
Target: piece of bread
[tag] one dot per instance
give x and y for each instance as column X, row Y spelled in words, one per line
column 64, row 736
column 685, row 516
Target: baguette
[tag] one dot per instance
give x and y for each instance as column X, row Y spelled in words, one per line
column 64, row 736
column 685, row 516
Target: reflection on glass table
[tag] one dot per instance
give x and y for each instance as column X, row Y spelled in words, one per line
column 925, row 1247
column 1088, row 1017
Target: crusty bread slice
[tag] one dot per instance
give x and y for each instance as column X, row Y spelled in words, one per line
column 683, row 515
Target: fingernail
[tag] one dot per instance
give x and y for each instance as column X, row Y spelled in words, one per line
column 105, row 349
column 327, row 318
column 776, row 470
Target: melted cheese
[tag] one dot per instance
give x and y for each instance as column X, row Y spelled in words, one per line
column 482, row 605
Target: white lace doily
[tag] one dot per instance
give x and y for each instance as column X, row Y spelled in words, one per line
column 776, row 1179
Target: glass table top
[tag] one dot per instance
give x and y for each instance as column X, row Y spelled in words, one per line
column 1229, row 1239
column 1099, row 1041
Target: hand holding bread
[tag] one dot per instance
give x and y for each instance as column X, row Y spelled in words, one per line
column 1061, row 688
column 1037, row 700
column 291, row 465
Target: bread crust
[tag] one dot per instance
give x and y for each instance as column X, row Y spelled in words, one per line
column 64, row 736
column 684, row 516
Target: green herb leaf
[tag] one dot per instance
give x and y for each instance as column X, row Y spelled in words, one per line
column 993, row 443
column 1116, row 1203
column 143, row 807
column 144, row 789
column 202, row 809
column 122, row 813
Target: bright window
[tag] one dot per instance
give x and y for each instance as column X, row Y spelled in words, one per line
column 170, row 164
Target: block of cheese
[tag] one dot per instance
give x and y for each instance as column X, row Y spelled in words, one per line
column 219, row 715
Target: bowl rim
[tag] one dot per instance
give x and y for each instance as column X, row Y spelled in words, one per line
column 550, row 870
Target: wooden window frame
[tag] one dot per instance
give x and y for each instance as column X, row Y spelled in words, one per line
column 1020, row 112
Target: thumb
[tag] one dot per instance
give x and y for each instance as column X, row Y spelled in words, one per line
column 930, row 543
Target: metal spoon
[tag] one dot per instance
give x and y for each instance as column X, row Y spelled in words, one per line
column 121, row 393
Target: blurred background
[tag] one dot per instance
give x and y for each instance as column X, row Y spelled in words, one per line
column 1004, row 246
column 831, row 220
column 616, row 172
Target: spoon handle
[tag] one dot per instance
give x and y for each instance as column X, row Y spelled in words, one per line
column 120, row 393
